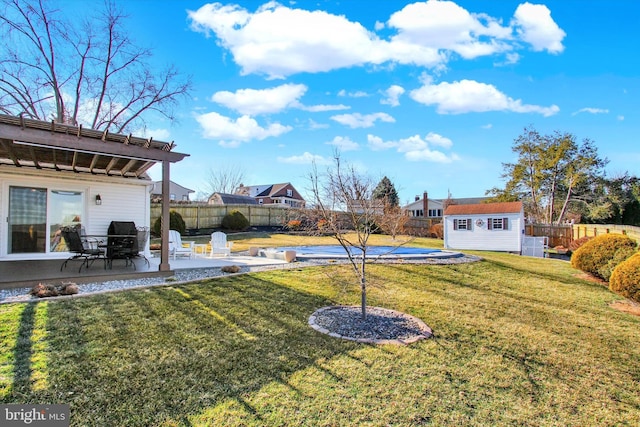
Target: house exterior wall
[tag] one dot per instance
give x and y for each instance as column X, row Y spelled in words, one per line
column 177, row 192
column 480, row 237
column 416, row 209
column 122, row 200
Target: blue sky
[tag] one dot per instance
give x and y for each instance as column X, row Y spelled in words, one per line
column 431, row 94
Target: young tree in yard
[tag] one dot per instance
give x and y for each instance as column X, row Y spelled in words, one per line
column 392, row 221
column 551, row 172
column 344, row 207
column 80, row 72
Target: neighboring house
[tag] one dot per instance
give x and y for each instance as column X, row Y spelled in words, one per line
column 434, row 208
column 230, row 199
column 281, row 194
column 177, row 193
column 485, row 226
column 54, row 175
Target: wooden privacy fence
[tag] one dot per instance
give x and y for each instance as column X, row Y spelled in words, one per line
column 210, row 216
column 592, row 230
column 559, row 235
column 420, row 226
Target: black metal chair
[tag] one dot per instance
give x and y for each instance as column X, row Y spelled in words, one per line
column 80, row 248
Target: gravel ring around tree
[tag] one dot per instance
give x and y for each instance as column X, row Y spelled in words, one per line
column 381, row 326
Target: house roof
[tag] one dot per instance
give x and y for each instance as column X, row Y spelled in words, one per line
column 484, row 208
column 418, row 204
column 49, row 145
column 157, row 187
column 236, row 199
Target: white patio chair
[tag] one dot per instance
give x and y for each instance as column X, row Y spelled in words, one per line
column 219, row 244
column 178, row 247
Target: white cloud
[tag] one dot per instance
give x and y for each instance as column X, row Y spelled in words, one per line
column 232, row 132
column 535, row 26
column 261, row 101
column 356, row 94
column 378, row 144
column 487, row 126
column 267, row 101
column 357, row 120
column 620, row 118
column 443, row 25
column 591, row 111
column 324, row 107
column 315, row 125
column 467, row 96
column 392, row 95
column 344, row 143
column 305, row 159
column 416, row 148
column 439, row 140
column 279, row 41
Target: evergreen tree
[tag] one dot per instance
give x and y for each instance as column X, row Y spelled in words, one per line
column 386, row 191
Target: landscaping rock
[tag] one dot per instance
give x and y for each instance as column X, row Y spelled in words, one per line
column 230, row 269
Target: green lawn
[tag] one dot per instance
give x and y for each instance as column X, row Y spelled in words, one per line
column 518, row 341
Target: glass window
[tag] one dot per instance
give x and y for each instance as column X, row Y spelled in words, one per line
column 65, row 209
column 498, row 223
column 462, row 224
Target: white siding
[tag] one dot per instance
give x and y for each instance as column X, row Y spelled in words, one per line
column 122, row 200
column 480, row 237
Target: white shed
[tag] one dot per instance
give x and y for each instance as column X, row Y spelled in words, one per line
column 484, row 226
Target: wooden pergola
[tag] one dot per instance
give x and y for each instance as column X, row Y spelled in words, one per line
column 38, row 144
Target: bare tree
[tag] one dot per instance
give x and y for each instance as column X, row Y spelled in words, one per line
column 52, row 68
column 223, row 179
column 344, row 207
column 393, row 221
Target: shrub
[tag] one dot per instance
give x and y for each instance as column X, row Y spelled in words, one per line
column 235, row 221
column 597, row 252
column 175, row 223
column 436, row 231
column 625, row 279
column 620, row 256
column 294, row 224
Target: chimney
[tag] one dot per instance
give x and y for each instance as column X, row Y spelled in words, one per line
column 417, row 198
column 425, row 204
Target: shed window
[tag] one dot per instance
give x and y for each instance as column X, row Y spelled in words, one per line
column 498, row 223
column 462, row 224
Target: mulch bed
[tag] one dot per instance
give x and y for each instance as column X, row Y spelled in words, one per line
column 381, row 325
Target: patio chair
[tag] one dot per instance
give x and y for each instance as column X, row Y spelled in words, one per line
column 141, row 244
column 219, row 244
column 81, row 248
column 178, row 247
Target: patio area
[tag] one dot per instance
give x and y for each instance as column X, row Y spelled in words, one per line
column 17, row 274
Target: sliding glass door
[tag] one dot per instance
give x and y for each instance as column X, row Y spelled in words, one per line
column 36, row 215
column 27, row 220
